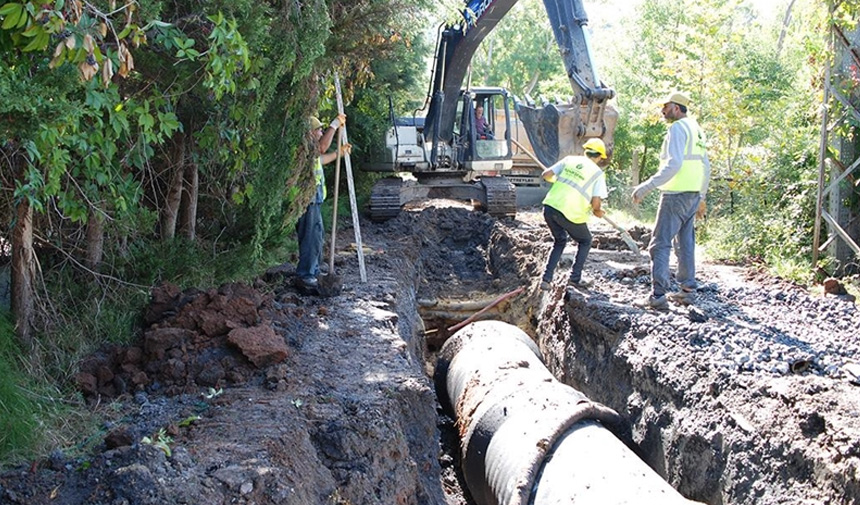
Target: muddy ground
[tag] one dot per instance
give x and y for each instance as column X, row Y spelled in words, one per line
column 263, row 395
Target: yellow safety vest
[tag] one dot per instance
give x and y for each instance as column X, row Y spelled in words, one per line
column 572, row 190
column 692, row 173
column 319, row 175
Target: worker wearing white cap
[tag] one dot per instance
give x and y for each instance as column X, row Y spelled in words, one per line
column 309, row 227
column 683, row 178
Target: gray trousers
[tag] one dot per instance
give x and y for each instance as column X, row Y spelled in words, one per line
column 676, row 217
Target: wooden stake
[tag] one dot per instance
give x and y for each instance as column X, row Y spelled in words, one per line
column 488, row 307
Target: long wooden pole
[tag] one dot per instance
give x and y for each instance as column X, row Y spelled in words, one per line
column 334, row 207
column 352, row 203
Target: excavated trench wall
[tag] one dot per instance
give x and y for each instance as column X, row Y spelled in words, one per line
column 690, row 417
column 720, row 428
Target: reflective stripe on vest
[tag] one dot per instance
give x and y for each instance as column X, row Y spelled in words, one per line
column 319, row 175
column 692, row 173
column 572, row 190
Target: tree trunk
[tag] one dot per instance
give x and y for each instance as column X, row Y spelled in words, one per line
column 786, row 20
column 23, row 274
column 170, row 212
column 95, row 240
column 188, row 223
column 634, row 169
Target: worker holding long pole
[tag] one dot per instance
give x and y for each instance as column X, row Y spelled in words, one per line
column 309, row 227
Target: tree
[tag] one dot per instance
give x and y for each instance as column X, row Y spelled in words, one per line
column 209, row 118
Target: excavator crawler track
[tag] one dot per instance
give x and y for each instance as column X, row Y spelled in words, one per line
column 385, row 199
column 501, row 196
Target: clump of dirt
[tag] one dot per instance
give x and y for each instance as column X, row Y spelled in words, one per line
column 260, row 394
column 193, row 340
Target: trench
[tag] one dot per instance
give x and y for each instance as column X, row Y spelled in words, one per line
column 504, row 288
column 696, row 411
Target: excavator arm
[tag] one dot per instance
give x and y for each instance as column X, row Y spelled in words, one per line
column 558, row 130
column 454, row 52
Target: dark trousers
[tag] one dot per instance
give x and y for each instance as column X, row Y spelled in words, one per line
column 311, row 236
column 560, row 228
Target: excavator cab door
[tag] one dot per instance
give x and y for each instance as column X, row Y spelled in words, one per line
column 485, row 144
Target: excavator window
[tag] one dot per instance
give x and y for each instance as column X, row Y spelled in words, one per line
column 490, row 127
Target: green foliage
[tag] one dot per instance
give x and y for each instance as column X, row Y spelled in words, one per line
column 522, row 55
column 99, row 111
column 18, row 412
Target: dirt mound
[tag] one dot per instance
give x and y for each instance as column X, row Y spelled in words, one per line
column 193, row 340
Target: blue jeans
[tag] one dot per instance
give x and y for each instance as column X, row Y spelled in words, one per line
column 560, row 228
column 311, row 236
column 676, row 216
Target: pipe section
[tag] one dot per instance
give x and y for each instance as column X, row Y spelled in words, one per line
column 527, row 439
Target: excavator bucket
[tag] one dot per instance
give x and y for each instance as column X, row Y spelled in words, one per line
column 559, row 130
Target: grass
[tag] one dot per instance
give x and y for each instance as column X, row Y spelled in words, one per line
column 40, row 407
column 18, row 412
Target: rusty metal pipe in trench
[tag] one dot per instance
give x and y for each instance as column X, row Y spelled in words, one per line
column 528, row 439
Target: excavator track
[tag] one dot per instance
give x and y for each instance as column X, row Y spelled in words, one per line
column 385, row 198
column 501, row 196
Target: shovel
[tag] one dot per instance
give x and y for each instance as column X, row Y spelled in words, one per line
column 330, row 283
column 631, row 244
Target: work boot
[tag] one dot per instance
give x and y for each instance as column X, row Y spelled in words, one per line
column 683, row 297
column 308, row 285
column 544, row 286
column 581, row 284
column 652, row 302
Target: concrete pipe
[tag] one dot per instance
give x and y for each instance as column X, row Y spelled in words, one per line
column 527, row 439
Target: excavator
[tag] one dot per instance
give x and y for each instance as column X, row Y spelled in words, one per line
column 445, row 153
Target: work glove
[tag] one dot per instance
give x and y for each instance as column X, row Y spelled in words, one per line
column 639, row 193
column 700, row 212
column 339, row 121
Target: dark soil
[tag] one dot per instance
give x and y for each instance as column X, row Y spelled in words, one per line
column 261, row 394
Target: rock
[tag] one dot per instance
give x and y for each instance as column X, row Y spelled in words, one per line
column 87, row 383
column 158, row 341
column 119, row 437
column 834, row 287
column 163, row 303
column 136, row 484
column 696, row 315
column 260, row 344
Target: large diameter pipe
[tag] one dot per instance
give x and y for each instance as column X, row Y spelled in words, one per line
column 527, row 439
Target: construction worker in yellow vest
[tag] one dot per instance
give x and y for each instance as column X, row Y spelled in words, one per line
column 578, row 187
column 682, row 178
column 309, row 227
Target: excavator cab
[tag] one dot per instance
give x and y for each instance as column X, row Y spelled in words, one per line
column 484, row 145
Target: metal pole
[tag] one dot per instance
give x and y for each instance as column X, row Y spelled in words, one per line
column 822, row 164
